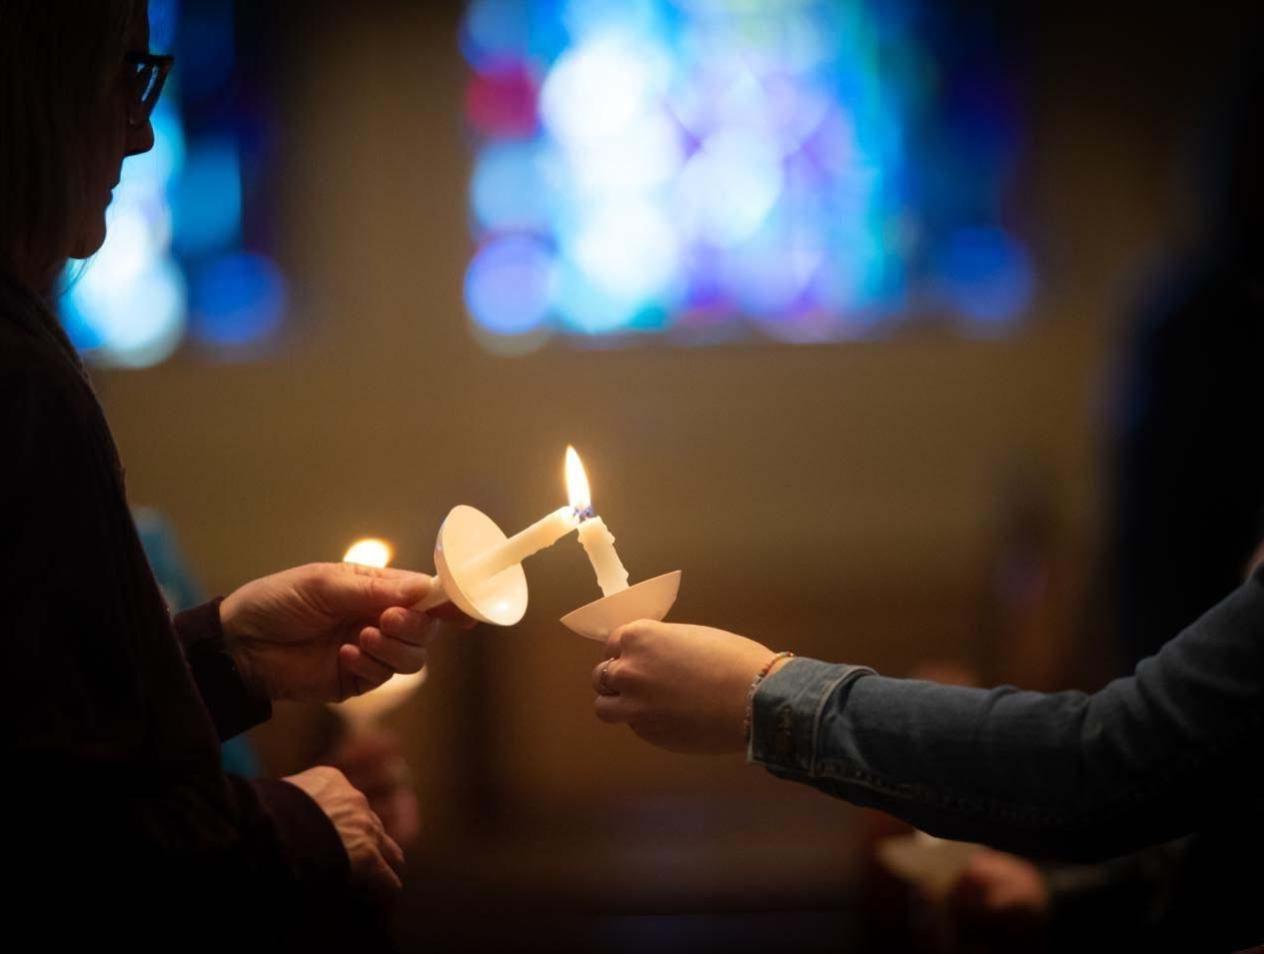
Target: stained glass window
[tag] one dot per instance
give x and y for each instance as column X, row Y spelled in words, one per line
column 705, row 170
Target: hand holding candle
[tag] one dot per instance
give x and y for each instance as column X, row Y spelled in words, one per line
column 360, row 711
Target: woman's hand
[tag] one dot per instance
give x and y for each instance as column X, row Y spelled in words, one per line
column 327, row 631
column 372, row 761
column 376, row 860
column 682, row 688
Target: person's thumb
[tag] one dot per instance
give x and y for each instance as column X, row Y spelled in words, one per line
column 369, row 590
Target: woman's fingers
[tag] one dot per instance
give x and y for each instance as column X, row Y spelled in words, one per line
column 393, row 854
column 612, row 709
column 407, row 625
column 366, row 672
column 396, row 655
column 603, row 678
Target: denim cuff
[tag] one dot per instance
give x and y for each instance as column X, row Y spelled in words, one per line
column 786, row 713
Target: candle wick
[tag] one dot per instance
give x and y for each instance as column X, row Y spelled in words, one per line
column 585, row 513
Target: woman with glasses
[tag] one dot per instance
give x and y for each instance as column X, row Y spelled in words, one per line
column 117, row 812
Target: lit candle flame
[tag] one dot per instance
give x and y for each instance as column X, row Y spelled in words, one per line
column 577, row 482
column 369, row 552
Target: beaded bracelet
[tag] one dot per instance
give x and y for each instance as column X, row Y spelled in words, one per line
column 750, row 694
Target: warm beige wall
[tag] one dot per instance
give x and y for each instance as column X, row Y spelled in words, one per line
column 836, row 499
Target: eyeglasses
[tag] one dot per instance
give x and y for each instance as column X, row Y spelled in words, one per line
column 148, row 72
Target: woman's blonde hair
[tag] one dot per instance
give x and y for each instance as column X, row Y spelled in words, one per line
column 57, row 60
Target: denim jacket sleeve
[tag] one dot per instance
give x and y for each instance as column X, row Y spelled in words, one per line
column 1173, row 748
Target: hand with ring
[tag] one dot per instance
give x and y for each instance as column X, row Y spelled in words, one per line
column 603, row 679
column 682, row 688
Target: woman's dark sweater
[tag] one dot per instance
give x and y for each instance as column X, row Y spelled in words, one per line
column 115, row 800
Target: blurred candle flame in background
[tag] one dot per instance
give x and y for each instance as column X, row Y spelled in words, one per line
column 370, row 551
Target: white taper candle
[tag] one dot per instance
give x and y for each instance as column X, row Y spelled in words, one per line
column 541, row 534
column 598, row 543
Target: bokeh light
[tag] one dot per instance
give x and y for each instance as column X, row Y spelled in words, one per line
column 370, row 551
column 986, row 276
column 238, row 299
column 510, row 188
column 808, row 172
column 207, row 202
column 510, row 284
column 134, row 322
column 173, row 263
